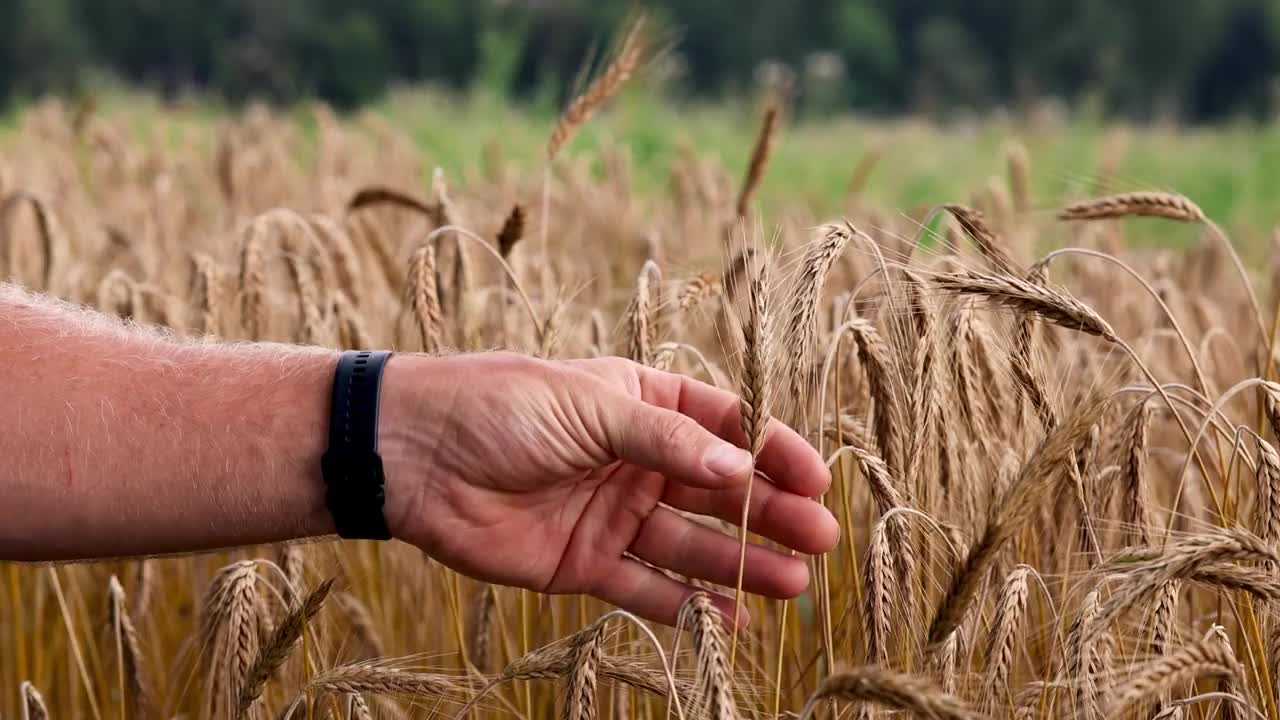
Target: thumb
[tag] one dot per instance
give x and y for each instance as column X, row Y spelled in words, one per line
column 675, row 445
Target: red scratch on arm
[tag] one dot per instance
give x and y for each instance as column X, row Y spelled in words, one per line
column 66, row 455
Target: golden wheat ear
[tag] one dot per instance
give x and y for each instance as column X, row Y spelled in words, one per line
column 760, row 153
column 755, row 400
column 1170, row 206
column 714, row 682
column 279, row 647
column 1210, row 658
column 872, row 684
column 132, row 658
column 627, row 58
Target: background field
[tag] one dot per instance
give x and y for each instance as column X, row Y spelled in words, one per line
column 1051, row 414
column 1232, row 171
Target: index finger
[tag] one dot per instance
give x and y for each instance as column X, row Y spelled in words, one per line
column 787, row 458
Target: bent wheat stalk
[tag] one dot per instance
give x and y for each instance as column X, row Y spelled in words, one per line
column 1170, row 206
column 899, row 691
column 1209, row 658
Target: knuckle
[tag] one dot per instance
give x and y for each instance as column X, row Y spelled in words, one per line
column 674, row 434
column 623, row 371
column 616, row 364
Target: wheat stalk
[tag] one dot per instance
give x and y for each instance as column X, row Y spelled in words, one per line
column 316, row 328
column 714, row 676
column 1271, row 404
column 928, row 385
column 759, row 159
column 625, row 62
column 850, row 431
column 133, row 664
column 1163, row 617
column 49, row 230
column 801, row 324
column 362, row 626
column 118, row 295
column 353, row 333
column 1170, row 206
column 512, row 231
column 875, row 357
column 374, row 196
column 1133, row 474
column 1054, row 306
column 359, row 708
column 288, row 230
column 480, row 631
column 862, row 171
column 553, row 661
column 231, row 603
column 277, row 649
column 144, row 584
column 580, row 686
column 33, row 707
column 1267, row 512
column 207, row 294
column 696, row 291
column 424, row 296
column 899, row 691
column 966, row 368
column 292, row 563
column 990, row 245
column 335, row 242
column 755, row 392
column 1011, row 606
column 879, row 596
column 885, row 491
column 1147, row 570
column 1087, row 652
column 641, row 316
column 1206, row 659
column 378, row 679
column 1043, row 471
column 1019, row 164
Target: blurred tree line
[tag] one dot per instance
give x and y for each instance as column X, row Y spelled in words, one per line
column 1196, row 59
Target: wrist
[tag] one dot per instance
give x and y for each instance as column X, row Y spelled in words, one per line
column 416, row 397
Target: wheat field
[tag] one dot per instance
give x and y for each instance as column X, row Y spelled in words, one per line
column 1053, row 452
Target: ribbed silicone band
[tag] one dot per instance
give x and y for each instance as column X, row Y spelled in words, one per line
column 353, row 476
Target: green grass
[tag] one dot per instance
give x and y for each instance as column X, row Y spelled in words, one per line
column 1233, row 172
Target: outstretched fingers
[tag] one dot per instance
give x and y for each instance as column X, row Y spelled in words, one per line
column 670, row 443
column 683, row 546
column 794, row 521
column 638, row 588
column 786, row 457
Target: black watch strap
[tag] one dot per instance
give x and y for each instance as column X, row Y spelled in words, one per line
column 352, row 467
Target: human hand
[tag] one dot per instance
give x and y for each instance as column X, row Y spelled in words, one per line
column 548, row 475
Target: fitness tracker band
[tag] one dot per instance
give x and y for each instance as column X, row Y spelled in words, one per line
column 352, row 468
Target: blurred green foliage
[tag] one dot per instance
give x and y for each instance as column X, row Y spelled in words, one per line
column 1196, row 59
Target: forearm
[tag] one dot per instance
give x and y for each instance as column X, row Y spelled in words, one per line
column 120, row 442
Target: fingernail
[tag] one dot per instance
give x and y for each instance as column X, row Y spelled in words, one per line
column 727, row 460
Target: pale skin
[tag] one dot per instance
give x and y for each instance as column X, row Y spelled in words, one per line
column 556, row 476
